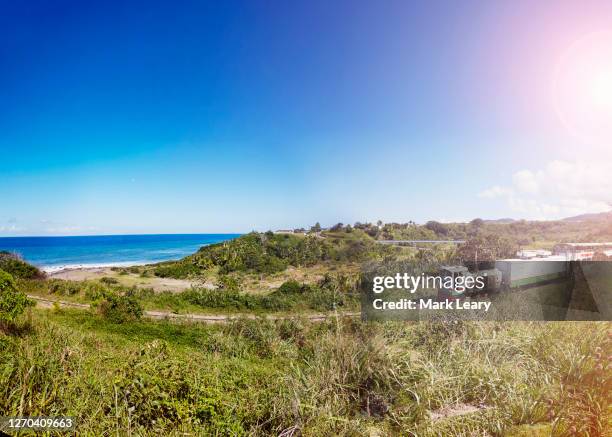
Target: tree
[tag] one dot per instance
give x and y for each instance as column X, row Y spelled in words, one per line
column 337, row 227
column 477, row 222
column 437, row 227
column 12, row 301
column 316, row 227
column 522, row 242
column 485, row 248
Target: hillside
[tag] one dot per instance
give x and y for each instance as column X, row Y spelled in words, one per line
column 269, row 253
column 597, row 217
column 112, row 368
column 534, row 234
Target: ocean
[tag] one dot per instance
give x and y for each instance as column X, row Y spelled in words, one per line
column 56, row 253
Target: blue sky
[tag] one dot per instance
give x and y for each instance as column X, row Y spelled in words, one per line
column 138, row 117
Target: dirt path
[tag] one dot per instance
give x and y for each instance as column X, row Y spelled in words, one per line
column 201, row 318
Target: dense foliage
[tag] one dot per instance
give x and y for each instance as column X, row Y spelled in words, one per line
column 341, row 377
column 121, row 303
column 18, row 268
column 120, row 375
column 485, row 247
column 12, row 301
column 111, row 301
column 119, row 308
column 269, row 253
column 519, row 232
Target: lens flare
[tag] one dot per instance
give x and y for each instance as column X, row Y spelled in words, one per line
column 582, row 88
column 601, row 89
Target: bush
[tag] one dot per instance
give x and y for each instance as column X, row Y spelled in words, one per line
column 119, row 309
column 65, row 288
column 18, row 268
column 291, row 287
column 437, row 227
column 12, row 302
column 270, row 253
column 179, row 270
column 206, row 298
column 228, row 283
column 156, row 389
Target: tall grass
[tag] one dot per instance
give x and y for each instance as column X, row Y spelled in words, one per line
column 340, row 377
column 330, row 294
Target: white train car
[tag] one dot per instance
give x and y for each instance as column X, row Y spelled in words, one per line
column 525, row 272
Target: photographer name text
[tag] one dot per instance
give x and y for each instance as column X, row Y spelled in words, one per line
column 429, row 304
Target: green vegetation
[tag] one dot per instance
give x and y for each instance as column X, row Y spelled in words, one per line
column 18, row 268
column 333, row 291
column 269, row 253
column 340, row 377
column 485, row 248
column 112, row 301
column 265, row 254
column 119, row 308
column 520, row 233
column 121, row 374
column 12, row 301
column 308, row 297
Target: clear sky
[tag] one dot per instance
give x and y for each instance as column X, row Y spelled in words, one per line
column 202, row 116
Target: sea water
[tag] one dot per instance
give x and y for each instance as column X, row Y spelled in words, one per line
column 56, row 253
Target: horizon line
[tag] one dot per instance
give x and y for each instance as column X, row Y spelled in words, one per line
column 123, row 235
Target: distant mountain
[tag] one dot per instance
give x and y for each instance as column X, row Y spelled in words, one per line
column 596, row 217
column 501, row 221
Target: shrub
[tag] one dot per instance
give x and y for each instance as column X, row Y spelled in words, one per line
column 437, row 227
column 18, row 268
column 228, row 283
column 119, row 309
column 206, row 298
column 156, row 389
column 291, row 287
column 179, row 270
column 12, row 302
column 270, row 253
column 95, row 290
column 66, row 288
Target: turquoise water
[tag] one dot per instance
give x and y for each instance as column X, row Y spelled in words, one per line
column 54, row 253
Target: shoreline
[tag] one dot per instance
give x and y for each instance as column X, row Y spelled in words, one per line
column 87, row 272
column 51, row 270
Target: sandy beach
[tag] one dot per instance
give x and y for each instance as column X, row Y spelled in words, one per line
column 130, row 279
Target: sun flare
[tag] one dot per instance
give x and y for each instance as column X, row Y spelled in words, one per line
column 582, row 88
column 601, row 89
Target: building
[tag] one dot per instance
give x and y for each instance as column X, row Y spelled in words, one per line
column 533, row 253
column 582, row 251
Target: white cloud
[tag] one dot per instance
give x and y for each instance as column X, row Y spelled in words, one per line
column 70, row 229
column 526, row 182
column 495, row 192
column 558, row 190
column 11, row 229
